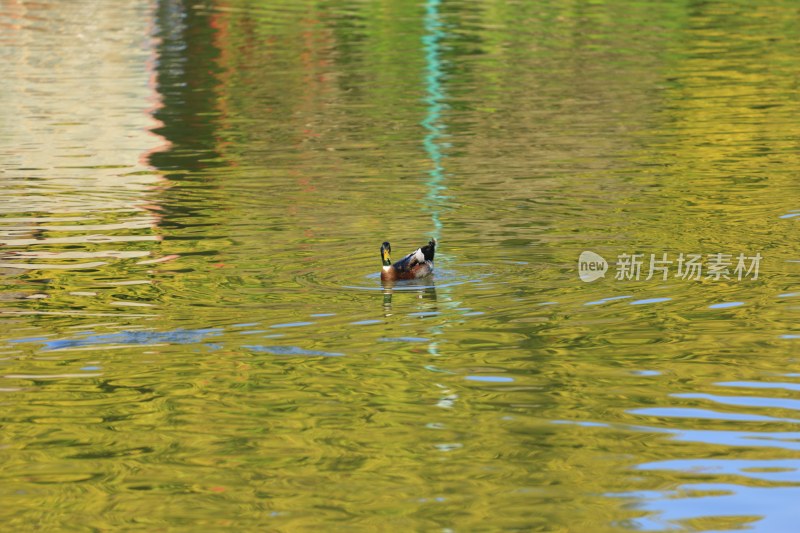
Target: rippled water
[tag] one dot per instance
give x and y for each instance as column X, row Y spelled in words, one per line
column 194, row 333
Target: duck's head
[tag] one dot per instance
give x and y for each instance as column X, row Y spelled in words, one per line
column 386, row 250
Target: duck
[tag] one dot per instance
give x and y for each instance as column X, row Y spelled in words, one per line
column 415, row 265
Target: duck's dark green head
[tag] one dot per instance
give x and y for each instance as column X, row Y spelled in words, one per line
column 386, row 250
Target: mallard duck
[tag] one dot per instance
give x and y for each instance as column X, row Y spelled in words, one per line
column 417, row 264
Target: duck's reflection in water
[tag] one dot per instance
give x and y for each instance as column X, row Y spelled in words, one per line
column 421, row 289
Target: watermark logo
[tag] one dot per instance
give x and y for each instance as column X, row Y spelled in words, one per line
column 696, row 267
column 591, row 266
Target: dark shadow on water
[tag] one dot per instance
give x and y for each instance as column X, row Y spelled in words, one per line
column 188, row 74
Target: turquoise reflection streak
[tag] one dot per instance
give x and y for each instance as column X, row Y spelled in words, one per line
column 432, row 123
column 434, row 100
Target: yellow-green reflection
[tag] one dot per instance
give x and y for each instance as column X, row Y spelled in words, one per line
column 195, row 335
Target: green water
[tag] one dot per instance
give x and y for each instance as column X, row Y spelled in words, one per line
column 193, row 331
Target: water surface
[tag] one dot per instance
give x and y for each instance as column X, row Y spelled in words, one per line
column 194, row 333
